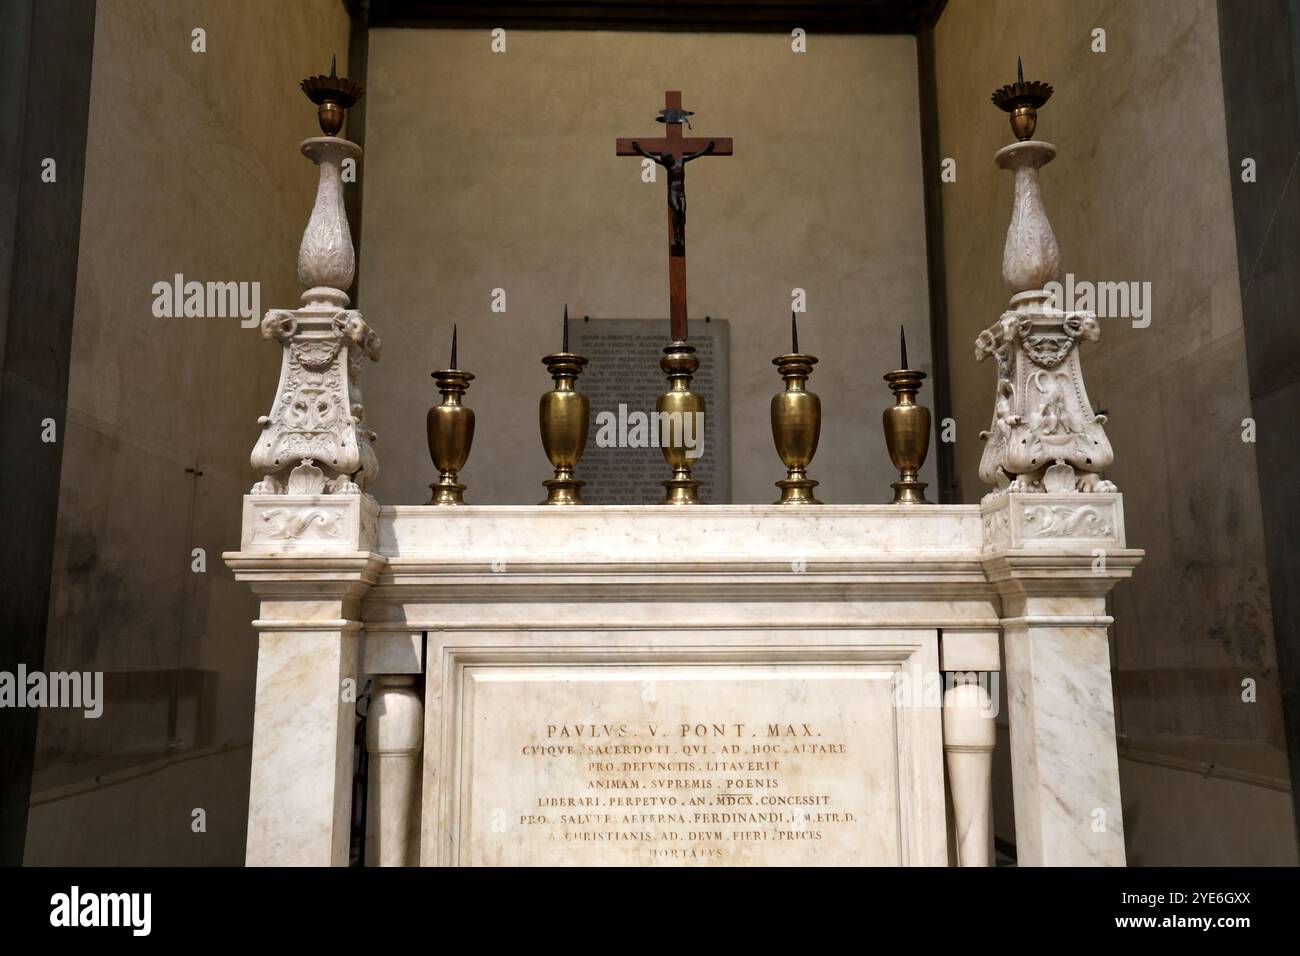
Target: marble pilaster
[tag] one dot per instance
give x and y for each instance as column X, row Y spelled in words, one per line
column 307, row 675
column 1053, row 561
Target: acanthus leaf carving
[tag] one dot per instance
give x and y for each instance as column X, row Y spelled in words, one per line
column 326, row 256
column 1031, row 257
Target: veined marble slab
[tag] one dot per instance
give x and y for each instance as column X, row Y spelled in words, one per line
column 668, row 534
column 714, row 565
column 681, row 748
column 729, row 618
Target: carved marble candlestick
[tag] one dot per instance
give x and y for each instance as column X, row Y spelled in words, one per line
column 314, row 440
column 1044, row 436
column 1047, row 519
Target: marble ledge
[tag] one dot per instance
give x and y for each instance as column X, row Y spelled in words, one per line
column 957, row 547
column 678, row 537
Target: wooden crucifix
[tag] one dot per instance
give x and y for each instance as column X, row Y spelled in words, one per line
column 673, row 151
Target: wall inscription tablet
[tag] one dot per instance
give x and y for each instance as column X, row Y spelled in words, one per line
column 623, row 377
column 678, row 764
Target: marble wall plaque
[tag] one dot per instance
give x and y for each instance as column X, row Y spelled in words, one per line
column 624, row 370
column 682, row 764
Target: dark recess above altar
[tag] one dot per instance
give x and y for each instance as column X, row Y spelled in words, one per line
column 739, row 16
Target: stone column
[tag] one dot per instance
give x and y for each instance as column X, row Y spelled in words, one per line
column 1053, row 559
column 394, row 741
column 310, row 559
column 969, row 660
column 1053, row 533
column 310, row 532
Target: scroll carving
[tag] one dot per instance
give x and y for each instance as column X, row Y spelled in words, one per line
column 1061, row 521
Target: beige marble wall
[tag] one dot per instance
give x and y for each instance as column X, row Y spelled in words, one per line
column 192, row 167
column 1139, row 191
column 492, row 171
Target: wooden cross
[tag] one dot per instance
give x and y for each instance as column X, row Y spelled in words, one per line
column 678, row 150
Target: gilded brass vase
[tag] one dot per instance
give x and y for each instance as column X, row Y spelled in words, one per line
column 450, row 427
column 796, row 428
column 907, row 435
column 682, row 420
column 564, row 414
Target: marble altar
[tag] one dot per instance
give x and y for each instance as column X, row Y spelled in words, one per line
column 684, row 685
column 864, row 622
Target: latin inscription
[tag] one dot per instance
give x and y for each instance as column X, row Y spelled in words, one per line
column 673, row 787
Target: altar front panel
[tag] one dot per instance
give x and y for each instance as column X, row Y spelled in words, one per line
column 703, row 747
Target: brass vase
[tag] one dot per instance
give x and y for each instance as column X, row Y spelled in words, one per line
column 907, row 435
column 565, row 414
column 450, row 427
column 686, row 409
column 796, row 428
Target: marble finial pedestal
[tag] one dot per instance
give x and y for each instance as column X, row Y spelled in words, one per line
column 497, row 637
column 309, row 559
column 1053, row 560
column 308, row 542
column 1054, row 545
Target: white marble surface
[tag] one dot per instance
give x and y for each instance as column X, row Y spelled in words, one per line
column 654, row 534
column 1065, row 769
column 393, row 652
column 394, row 737
column 741, row 565
column 1063, row 747
column 1071, row 522
column 1030, row 257
column 969, row 737
column 965, row 650
column 307, row 683
column 302, row 750
column 531, row 610
column 528, row 740
column 309, row 524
